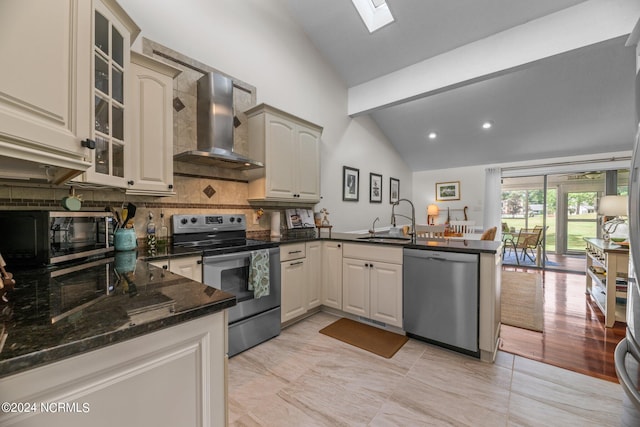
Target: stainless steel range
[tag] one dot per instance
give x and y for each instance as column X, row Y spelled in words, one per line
column 226, row 262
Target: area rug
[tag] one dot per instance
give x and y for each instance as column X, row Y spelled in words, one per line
column 522, row 300
column 378, row 341
column 510, row 258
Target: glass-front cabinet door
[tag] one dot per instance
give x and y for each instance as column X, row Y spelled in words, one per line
column 113, row 32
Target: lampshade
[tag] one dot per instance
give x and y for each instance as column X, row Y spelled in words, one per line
column 432, row 210
column 613, row 206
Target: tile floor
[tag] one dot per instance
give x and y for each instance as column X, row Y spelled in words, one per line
column 304, row 378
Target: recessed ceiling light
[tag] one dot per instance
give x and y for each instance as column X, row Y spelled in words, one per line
column 487, row 125
column 433, row 135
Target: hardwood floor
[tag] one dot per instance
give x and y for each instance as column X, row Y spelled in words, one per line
column 574, row 336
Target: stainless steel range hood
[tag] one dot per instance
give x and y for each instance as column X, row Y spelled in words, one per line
column 215, row 125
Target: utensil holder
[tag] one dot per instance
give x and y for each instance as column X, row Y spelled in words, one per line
column 124, row 239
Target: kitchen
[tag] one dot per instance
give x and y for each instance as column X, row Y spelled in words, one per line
column 298, row 70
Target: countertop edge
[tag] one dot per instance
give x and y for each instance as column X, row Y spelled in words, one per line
column 446, row 245
column 51, row 355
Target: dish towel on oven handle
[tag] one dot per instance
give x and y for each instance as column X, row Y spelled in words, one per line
column 259, row 273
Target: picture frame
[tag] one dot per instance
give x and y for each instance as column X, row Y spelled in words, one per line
column 448, row 190
column 375, row 188
column 394, row 190
column 350, row 184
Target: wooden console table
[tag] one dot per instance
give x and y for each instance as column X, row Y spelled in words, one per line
column 607, row 262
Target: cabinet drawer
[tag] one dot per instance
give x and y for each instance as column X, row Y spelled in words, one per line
column 381, row 253
column 292, row 251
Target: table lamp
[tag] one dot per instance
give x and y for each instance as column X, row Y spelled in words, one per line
column 616, row 207
column 432, row 211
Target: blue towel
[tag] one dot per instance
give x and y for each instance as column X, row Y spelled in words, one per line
column 259, row 273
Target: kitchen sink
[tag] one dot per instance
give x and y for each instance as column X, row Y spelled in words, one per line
column 386, row 239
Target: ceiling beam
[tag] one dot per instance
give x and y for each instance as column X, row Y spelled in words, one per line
column 582, row 25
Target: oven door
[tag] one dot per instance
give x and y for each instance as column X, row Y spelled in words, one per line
column 230, row 273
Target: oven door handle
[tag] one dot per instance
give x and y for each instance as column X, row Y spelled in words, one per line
column 232, row 256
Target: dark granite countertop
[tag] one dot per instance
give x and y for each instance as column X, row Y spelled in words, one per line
column 446, row 244
column 57, row 313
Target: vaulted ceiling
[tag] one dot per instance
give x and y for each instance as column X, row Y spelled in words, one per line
column 577, row 101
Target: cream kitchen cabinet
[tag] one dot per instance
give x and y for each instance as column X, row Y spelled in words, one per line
column 47, row 113
column 110, row 97
column 289, row 147
column 332, row 274
column 372, row 282
column 313, row 272
column 187, row 266
column 293, row 281
column 151, row 116
column 173, row 376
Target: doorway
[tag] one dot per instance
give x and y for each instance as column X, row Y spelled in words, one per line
column 563, row 208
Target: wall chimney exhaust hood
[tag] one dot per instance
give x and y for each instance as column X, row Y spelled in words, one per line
column 215, row 125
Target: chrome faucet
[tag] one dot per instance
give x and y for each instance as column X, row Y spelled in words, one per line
column 413, row 218
column 372, row 231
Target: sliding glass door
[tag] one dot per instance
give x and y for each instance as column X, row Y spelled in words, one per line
column 564, row 206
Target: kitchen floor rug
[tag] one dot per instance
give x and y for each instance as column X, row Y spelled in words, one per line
column 378, row 341
column 522, row 300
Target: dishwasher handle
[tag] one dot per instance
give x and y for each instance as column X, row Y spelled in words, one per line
column 433, row 258
column 441, row 256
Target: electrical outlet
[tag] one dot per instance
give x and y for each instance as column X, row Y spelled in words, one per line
column 256, row 220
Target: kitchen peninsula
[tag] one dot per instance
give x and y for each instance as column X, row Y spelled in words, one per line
column 343, row 256
column 115, row 333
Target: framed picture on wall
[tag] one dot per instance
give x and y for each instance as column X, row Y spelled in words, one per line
column 375, row 188
column 350, row 184
column 448, row 190
column 394, row 190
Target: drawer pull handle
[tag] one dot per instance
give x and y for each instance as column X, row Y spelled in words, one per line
column 296, row 263
column 294, row 252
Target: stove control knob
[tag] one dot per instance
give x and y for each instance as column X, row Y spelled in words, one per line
column 232, row 219
column 239, row 219
column 194, row 220
column 183, row 221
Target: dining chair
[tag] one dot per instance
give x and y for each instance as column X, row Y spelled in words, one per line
column 527, row 241
column 489, row 233
column 462, row 227
column 430, row 231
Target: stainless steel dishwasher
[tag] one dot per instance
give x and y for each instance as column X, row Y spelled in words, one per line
column 440, row 297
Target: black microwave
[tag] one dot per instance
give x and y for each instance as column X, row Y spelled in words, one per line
column 37, row 238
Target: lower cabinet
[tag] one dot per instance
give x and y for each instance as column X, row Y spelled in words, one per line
column 372, row 288
column 172, row 377
column 365, row 280
column 313, row 272
column 301, row 276
column 293, row 277
column 332, row 274
column 187, row 266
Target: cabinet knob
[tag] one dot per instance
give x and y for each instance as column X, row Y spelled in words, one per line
column 170, row 186
column 130, row 182
column 339, row 245
column 366, row 264
column 370, row 265
column 89, row 143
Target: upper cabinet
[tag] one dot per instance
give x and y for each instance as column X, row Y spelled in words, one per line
column 110, row 104
column 289, row 147
column 151, row 92
column 46, row 95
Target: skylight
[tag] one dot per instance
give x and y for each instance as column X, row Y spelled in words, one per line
column 374, row 13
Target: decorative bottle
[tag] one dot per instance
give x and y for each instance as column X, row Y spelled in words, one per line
column 163, row 232
column 151, row 233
